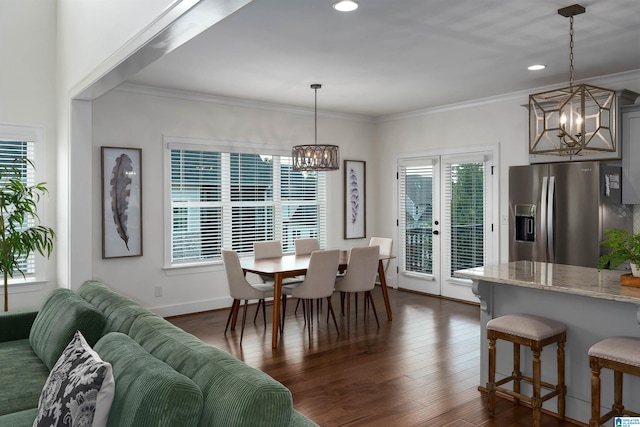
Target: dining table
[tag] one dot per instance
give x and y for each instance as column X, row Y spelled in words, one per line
column 296, row 265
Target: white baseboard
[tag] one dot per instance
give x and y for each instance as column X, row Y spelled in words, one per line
column 192, row 307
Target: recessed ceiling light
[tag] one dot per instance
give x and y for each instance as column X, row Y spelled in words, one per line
column 345, row 5
column 536, row 67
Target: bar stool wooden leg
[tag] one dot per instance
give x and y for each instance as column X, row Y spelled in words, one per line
column 595, row 392
column 491, row 385
column 618, row 407
column 562, row 388
column 517, row 375
column 536, row 402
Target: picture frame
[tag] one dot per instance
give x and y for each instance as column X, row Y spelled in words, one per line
column 121, row 202
column 355, row 199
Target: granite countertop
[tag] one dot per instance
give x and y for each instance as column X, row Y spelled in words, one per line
column 568, row 279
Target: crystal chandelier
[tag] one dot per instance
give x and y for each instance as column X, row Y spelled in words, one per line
column 317, row 157
column 574, row 120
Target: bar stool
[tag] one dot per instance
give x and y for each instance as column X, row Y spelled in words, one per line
column 535, row 332
column 622, row 355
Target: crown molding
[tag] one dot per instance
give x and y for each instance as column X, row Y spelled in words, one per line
column 236, row 102
column 611, row 79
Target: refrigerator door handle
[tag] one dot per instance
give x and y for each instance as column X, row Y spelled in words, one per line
column 543, row 216
column 551, row 207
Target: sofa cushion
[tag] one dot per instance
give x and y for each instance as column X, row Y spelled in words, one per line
column 118, row 310
column 16, row 325
column 19, row 419
column 79, row 389
column 148, row 391
column 64, row 313
column 19, row 391
column 235, row 394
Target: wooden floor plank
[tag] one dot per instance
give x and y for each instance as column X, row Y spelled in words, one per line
column 421, row 369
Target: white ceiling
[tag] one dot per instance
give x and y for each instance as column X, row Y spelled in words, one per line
column 395, row 56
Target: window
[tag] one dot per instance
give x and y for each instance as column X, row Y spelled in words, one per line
column 224, row 198
column 446, row 215
column 17, row 142
column 465, row 199
column 416, row 216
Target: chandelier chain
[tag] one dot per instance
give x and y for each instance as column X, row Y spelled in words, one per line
column 571, row 51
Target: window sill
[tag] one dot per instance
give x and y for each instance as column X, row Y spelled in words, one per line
column 24, row 286
column 193, row 268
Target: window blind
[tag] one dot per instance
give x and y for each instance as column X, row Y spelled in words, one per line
column 416, row 217
column 464, row 203
column 10, row 151
column 230, row 200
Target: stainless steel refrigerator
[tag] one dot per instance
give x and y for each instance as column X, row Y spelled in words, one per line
column 559, row 211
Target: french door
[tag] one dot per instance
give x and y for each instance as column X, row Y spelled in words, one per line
column 444, row 221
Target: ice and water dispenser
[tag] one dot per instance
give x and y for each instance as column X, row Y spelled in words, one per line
column 525, row 223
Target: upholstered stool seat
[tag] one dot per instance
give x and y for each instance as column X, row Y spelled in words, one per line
column 534, row 332
column 622, row 355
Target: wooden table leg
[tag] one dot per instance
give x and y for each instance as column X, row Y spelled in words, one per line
column 383, row 285
column 277, row 296
column 235, row 307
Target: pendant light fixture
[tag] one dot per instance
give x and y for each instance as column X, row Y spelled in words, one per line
column 317, row 157
column 574, row 120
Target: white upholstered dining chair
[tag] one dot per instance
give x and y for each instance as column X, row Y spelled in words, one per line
column 386, row 245
column 272, row 249
column 306, row 246
column 317, row 283
column 240, row 289
column 360, row 276
column 267, row 249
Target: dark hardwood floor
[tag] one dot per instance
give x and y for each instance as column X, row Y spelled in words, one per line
column 421, row 369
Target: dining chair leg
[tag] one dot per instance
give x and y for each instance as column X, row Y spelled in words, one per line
column 264, row 314
column 255, row 316
column 244, row 318
column 304, row 311
column 309, row 304
column 234, row 307
column 369, row 298
column 366, row 305
column 342, row 303
column 348, row 311
column 297, row 304
column 330, row 309
column 355, row 297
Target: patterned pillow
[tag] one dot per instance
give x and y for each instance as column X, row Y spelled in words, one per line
column 79, row 390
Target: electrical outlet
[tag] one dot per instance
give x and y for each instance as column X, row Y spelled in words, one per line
column 158, row 290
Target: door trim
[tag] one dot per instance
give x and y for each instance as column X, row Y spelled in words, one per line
column 493, row 243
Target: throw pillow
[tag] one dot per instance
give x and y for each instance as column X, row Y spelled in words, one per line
column 79, row 390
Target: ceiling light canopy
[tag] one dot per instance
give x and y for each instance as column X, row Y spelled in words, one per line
column 574, row 120
column 317, row 157
column 345, row 5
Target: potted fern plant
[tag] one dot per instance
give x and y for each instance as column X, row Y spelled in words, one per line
column 20, row 232
column 624, row 246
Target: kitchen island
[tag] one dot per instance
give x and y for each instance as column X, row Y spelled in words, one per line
column 591, row 303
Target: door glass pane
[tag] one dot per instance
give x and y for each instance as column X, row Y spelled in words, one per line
column 466, row 214
column 417, row 216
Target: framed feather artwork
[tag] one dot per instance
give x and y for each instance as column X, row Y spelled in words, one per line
column 355, row 194
column 121, row 202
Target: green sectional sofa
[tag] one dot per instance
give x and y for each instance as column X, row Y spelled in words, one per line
column 163, row 375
